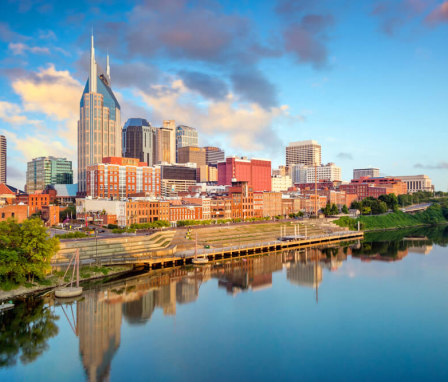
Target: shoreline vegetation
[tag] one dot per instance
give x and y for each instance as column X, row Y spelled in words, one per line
column 436, row 214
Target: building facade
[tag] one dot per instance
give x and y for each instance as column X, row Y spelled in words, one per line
column 366, row 172
column 48, row 170
column 416, row 183
column 118, row 178
column 257, row 172
column 139, row 140
column 213, row 155
column 177, row 179
column 166, row 143
column 281, row 183
column 186, row 136
column 306, row 174
column 190, row 154
column 3, row 159
column 99, row 126
column 308, row 153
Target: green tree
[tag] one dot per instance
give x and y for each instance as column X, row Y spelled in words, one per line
column 334, row 209
column 391, row 201
column 344, row 209
column 327, row 209
column 25, row 250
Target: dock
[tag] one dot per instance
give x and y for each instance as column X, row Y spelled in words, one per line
column 216, row 254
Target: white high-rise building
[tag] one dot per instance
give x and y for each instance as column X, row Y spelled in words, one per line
column 304, row 152
column 306, row 174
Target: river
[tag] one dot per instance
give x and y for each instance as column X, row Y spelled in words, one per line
column 369, row 311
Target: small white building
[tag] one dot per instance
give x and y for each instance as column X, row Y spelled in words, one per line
column 280, row 183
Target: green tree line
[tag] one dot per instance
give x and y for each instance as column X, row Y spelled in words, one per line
column 25, row 251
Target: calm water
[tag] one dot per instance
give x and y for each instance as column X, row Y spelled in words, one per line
column 371, row 311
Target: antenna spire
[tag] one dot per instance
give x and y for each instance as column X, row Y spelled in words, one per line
column 92, row 75
column 107, row 65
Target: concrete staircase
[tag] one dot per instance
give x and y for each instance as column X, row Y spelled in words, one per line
column 116, row 249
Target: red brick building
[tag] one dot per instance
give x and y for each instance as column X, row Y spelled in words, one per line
column 13, row 211
column 121, row 177
column 257, row 172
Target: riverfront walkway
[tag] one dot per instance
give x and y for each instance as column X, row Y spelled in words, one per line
column 243, row 250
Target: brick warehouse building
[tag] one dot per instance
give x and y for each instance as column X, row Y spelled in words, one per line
column 256, row 172
column 120, row 177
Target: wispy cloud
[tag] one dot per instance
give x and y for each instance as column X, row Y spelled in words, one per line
column 20, row 49
column 345, row 156
column 438, row 166
column 438, row 15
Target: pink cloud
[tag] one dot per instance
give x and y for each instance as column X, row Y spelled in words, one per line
column 438, row 15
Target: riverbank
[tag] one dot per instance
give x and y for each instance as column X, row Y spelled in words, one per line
column 55, row 279
column 434, row 215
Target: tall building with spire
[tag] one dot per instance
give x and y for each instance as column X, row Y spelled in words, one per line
column 99, row 125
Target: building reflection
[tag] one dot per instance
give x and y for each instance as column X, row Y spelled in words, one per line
column 99, row 330
column 100, row 311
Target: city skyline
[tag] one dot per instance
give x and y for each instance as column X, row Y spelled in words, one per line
column 370, row 78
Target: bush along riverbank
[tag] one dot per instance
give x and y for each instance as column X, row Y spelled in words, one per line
column 435, row 214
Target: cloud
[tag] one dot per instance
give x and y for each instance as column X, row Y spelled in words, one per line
column 292, row 7
column 47, row 34
column 49, row 91
column 245, row 126
column 6, row 34
column 203, row 34
column 13, row 114
column 207, row 85
column 393, row 16
column 438, row 166
column 438, row 15
column 251, row 85
column 345, row 156
column 307, row 38
column 37, row 145
column 20, row 48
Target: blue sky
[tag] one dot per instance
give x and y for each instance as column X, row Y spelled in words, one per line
column 367, row 79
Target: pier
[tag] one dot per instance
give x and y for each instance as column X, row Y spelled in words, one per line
column 236, row 251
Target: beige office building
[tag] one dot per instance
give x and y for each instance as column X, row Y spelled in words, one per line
column 166, row 143
column 417, row 183
column 191, row 155
column 3, row 159
column 304, row 152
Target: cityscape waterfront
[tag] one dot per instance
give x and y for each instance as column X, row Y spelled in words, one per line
column 319, row 306
column 223, row 190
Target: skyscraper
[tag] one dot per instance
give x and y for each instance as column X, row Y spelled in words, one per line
column 190, row 154
column 3, row 170
column 139, row 140
column 186, row 136
column 99, row 126
column 304, row 152
column 166, row 142
column 43, row 171
column 213, row 155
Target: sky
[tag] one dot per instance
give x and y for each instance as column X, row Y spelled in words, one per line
column 366, row 79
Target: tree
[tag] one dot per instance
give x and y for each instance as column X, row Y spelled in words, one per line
column 391, row 201
column 327, row 209
column 334, row 209
column 25, row 250
column 344, row 209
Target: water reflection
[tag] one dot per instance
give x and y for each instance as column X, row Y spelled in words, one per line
column 25, row 331
column 99, row 314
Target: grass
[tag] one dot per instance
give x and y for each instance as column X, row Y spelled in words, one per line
column 433, row 215
column 72, row 235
